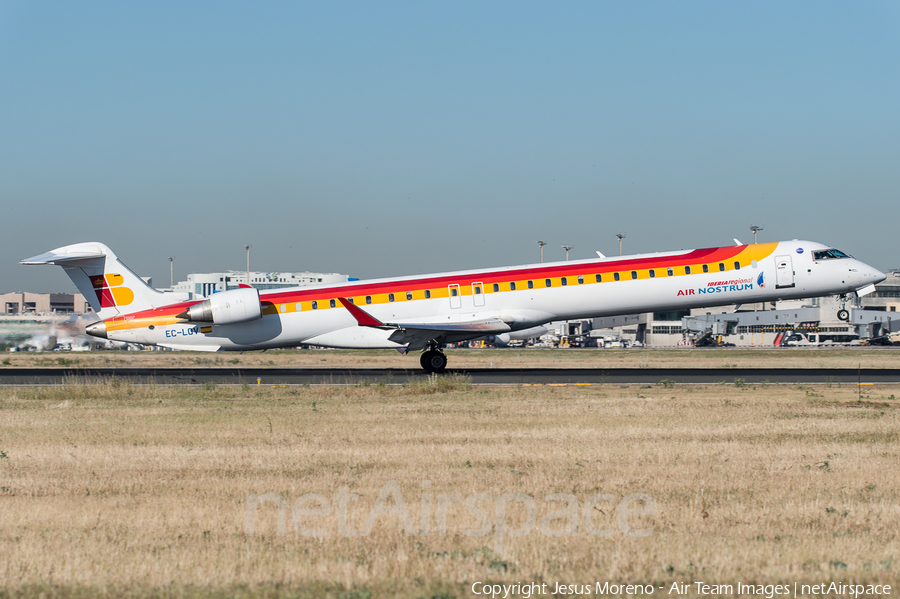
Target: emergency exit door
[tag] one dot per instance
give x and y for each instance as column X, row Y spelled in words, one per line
column 784, row 272
column 455, row 297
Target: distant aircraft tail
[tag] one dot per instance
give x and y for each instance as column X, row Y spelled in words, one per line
column 108, row 285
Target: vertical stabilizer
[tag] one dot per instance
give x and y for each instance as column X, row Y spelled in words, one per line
column 108, row 285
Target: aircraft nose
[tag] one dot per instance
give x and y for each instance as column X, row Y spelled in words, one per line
column 874, row 275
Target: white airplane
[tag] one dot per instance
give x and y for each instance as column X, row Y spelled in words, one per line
column 425, row 312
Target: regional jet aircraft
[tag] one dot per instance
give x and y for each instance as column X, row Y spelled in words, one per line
column 426, row 312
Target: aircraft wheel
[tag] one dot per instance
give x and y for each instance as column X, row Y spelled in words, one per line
column 433, row 361
column 843, row 315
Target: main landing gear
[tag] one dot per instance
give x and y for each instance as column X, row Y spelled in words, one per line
column 433, row 359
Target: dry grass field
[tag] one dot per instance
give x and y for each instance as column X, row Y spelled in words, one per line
column 121, row 490
column 475, row 358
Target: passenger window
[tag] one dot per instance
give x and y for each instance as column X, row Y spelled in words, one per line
column 368, row 299
column 315, row 305
column 496, row 287
column 283, row 308
column 547, row 283
column 564, row 281
column 652, row 273
column 477, row 290
column 633, row 274
column 531, row 284
column 670, row 272
column 453, row 291
column 599, row 278
column 616, row 276
column 409, row 295
column 428, row 294
column 298, row 306
column 580, row 280
column 351, row 300
column 390, row 297
column 737, row 265
column 687, row 270
column 721, row 266
column 330, row 303
column 512, row 286
column 706, row 268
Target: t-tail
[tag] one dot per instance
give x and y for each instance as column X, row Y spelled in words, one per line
column 109, row 286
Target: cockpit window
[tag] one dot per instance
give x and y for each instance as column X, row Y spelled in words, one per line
column 829, row 254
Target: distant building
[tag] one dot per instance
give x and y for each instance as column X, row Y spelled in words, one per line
column 205, row 284
column 44, row 303
column 886, row 296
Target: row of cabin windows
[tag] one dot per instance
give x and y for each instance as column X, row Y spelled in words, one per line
column 454, row 291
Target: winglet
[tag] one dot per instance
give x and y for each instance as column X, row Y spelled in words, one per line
column 361, row 316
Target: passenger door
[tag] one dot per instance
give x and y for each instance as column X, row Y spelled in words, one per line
column 784, row 272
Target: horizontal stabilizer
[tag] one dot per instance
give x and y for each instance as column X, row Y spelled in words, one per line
column 57, row 257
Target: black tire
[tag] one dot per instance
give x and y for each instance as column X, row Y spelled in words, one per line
column 433, row 361
column 843, row 315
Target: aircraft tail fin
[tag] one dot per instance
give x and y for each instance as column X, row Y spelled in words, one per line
column 108, row 285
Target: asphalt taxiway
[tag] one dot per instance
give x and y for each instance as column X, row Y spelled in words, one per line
column 485, row 376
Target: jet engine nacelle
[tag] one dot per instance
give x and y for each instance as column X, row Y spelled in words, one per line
column 228, row 307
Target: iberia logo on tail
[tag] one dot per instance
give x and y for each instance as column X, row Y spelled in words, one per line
column 110, row 292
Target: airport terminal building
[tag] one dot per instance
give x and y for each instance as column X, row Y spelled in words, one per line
column 200, row 285
column 23, row 302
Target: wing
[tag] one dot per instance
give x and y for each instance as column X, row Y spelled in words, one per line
column 416, row 335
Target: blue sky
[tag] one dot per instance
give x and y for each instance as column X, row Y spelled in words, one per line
column 380, row 139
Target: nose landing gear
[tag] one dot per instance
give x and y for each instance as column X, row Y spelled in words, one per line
column 433, row 359
column 843, row 313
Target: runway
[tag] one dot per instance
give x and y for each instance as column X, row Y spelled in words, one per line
column 485, row 376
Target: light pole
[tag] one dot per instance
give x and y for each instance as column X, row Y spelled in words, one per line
column 247, row 247
column 621, row 236
column 755, row 230
column 172, row 272
column 542, row 244
column 567, row 248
